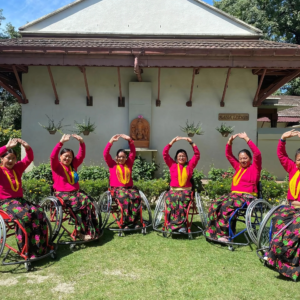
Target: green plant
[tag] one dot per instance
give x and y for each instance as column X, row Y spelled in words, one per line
column 9, row 133
column 216, row 174
column 266, row 175
column 215, row 189
column 40, row 172
column 197, row 177
column 93, row 173
column 143, row 170
column 85, row 126
column 35, row 190
column 191, row 128
column 52, row 126
column 94, row 188
column 224, row 129
column 152, row 188
column 274, row 192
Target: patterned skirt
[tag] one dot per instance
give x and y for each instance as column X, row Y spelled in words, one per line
column 129, row 201
column 284, row 250
column 220, row 212
column 82, row 207
column 177, row 203
column 33, row 219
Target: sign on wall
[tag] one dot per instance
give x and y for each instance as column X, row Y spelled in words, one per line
column 233, row 117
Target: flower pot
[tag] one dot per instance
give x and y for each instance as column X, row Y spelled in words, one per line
column 225, row 134
column 191, row 134
column 52, row 131
column 86, row 132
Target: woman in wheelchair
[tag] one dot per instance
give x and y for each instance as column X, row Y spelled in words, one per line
column 120, row 180
column 180, row 193
column 31, row 217
column 243, row 188
column 284, row 253
column 66, row 187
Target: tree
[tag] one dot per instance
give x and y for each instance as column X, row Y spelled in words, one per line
column 11, row 32
column 278, row 19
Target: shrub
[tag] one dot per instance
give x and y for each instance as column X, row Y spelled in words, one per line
column 215, row 174
column 215, row 189
column 274, row 192
column 93, row 173
column 266, row 175
column 42, row 171
column 152, row 188
column 198, row 176
column 35, row 190
column 94, row 187
column 9, row 133
column 143, row 170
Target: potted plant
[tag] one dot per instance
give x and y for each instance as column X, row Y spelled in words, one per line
column 85, row 127
column 52, row 127
column 225, row 130
column 192, row 129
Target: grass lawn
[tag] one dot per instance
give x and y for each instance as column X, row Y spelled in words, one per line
column 147, row 267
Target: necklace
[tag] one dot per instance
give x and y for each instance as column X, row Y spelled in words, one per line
column 237, row 177
column 124, row 179
column 182, row 176
column 15, row 189
column 294, row 188
column 71, row 181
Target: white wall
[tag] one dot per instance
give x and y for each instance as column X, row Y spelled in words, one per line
column 154, row 17
column 111, row 119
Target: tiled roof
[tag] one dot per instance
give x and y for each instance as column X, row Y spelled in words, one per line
column 280, row 119
column 289, row 100
column 111, row 43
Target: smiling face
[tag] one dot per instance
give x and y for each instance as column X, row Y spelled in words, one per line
column 121, row 158
column 181, row 158
column 66, row 158
column 244, row 160
column 9, row 161
column 297, row 160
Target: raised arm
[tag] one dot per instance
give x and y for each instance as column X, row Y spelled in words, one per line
column 77, row 161
column 106, row 152
column 167, row 158
column 27, row 160
column 257, row 161
column 230, row 157
column 54, row 156
column 131, row 156
column 285, row 161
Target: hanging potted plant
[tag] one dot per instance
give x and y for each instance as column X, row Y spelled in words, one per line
column 52, row 127
column 191, row 129
column 225, row 130
column 85, row 127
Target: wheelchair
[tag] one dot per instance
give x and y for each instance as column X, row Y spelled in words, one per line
column 109, row 205
column 196, row 214
column 252, row 216
column 61, row 217
column 7, row 229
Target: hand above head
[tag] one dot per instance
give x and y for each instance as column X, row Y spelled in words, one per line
column 186, row 139
column 290, row 134
column 232, row 137
column 78, row 138
column 115, row 138
column 125, row 137
column 24, row 144
column 243, row 135
column 177, row 138
column 11, row 144
column 65, row 138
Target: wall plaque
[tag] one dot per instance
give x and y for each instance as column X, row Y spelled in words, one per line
column 234, row 117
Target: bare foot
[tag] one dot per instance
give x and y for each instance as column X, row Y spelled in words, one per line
column 137, row 226
column 84, row 237
column 223, row 239
column 126, row 227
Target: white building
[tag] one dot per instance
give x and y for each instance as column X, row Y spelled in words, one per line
column 172, row 61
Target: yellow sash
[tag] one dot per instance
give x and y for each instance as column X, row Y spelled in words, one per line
column 237, row 192
column 71, row 181
column 236, row 179
column 123, row 179
column 15, row 189
column 294, row 188
column 182, row 177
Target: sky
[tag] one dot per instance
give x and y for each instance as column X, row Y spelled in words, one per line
column 19, row 12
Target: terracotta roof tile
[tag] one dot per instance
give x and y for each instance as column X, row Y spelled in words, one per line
column 289, row 100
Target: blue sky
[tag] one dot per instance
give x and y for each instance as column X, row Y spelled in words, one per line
column 19, row 12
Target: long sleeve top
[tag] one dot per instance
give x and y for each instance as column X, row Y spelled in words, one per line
column 112, row 165
column 290, row 166
column 5, row 188
column 60, row 180
column 249, row 177
column 173, row 167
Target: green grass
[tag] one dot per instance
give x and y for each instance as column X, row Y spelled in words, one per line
column 147, row 267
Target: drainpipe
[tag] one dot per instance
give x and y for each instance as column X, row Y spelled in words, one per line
column 137, row 69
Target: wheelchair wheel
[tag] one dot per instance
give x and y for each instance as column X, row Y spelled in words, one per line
column 2, row 235
column 159, row 211
column 264, row 233
column 53, row 210
column 50, row 233
column 202, row 210
column 104, row 205
column 147, row 214
column 255, row 213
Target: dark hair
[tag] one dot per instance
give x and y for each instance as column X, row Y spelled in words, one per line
column 297, row 152
column 63, row 151
column 181, row 151
column 247, row 152
column 8, row 152
column 121, row 150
